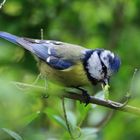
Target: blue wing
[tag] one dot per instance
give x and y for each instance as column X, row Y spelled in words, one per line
column 44, row 49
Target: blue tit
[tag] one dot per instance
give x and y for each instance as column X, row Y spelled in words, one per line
column 68, row 64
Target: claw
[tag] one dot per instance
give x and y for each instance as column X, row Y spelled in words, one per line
column 85, row 95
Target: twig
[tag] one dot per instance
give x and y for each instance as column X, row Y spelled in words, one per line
column 102, row 102
column 66, row 119
column 2, row 3
column 42, row 33
column 129, row 93
column 19, row 85
column 93, row 100
column 132, row 81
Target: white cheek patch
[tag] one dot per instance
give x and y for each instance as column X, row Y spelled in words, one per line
column 94, row 67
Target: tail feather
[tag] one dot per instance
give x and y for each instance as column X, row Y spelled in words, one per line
column 16, row 40
column 9, row 37
column 25, row 43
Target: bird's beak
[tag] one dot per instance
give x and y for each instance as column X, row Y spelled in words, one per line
column 104, row 82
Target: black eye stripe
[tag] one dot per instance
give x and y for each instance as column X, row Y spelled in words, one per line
column 104, row 68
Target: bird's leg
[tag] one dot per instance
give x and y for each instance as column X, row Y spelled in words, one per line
column 85, row 95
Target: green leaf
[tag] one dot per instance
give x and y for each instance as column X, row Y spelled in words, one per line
column 12, row 134
column 88, row 133
column 28, row 119
column 52, row 115
column 81, row 112
column 59, row 120
column 72, row 119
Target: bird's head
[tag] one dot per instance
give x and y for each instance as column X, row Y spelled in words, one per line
column 100, row 65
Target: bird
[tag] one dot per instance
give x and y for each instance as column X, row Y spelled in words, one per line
column 68, row 64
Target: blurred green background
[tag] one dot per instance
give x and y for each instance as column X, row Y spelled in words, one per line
column 24, row 112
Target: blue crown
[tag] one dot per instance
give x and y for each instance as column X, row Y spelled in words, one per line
column 114, row 63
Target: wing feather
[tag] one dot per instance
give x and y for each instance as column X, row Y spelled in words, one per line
column 58, row 55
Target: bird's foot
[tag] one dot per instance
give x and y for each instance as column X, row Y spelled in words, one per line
column 85, row 95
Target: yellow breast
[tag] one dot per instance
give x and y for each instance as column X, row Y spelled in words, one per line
column 74, row 76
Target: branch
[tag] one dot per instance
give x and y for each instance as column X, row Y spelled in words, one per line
column 93, row 100
column 101, row 102
column 2, row 3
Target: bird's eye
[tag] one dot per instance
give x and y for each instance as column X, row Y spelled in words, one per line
column 104, row 69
